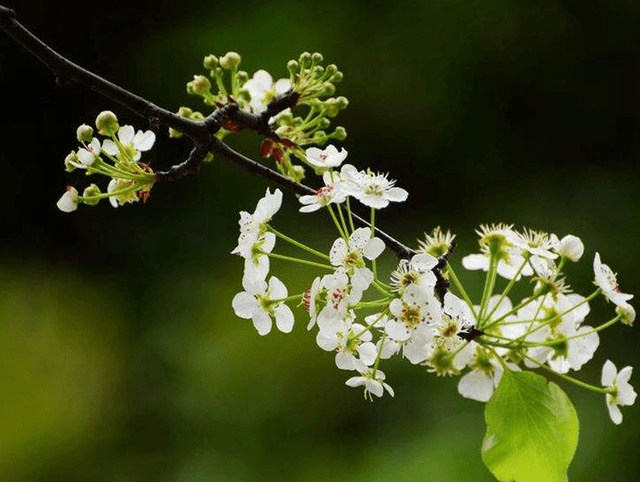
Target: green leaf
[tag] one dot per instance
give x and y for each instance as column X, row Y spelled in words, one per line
column 532, row 430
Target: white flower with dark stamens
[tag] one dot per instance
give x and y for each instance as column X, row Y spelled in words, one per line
column 327, row 158
column 373, row 382
column 68, row 202
column 623, row 393
column 133, row 143
column 352, row 342
column 418, row 271
column 414, row 316
column 606, row 280
column 350, row 256
column 332, row 192
column 259, row 303
column 536, row 243
column 456, row 318
column 256, row 259
column 371, row 189
column 89, row 153
column 263, row 90
column 329, row 298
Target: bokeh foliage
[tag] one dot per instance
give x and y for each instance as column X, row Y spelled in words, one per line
column 120, row 358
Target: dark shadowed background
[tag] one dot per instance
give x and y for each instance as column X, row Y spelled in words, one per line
column 120, row 358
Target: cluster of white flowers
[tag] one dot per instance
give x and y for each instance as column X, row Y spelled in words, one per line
column 117, row 157
column 365, row 319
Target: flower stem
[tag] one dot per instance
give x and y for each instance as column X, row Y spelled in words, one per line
column 568, row 378
column 506, row 291
column 489, row 284
column 297, row 243
column 462, row 291
column 335, row 221
column 298, row 260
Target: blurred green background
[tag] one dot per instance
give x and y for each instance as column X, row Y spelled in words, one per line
column 120, row 358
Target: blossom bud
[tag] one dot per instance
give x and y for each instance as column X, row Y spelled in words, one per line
column 571, row 247
column 627, row 312
column 185, row 112
column 89, row 195
column 328, row 89
column 210, row 62
column 200, row 85
column 340, row 133
column 69, row 201
column 319, row 137
column 337, row 77
column 331, row 70
column 230, row 61
column 84, row 133
column 292, row 67
column 318, row 70
column 242, row 77
column 107, row 123
column 297, row 173
column 305, row 60
column 174, row 134
column 324, row 123
column 317, row 57
column 70, row 161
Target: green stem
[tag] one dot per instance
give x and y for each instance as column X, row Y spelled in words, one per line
column 506, row 291
column 288, row 298
column 489, row 284
column 462, row 291
column 613, row 321
column 350, row 216
column 297, row 243
column 373, row 233
column 335, row 221
column 297, row 260
column 568, row 378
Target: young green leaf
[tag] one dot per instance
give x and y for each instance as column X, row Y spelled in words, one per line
column 532, row 430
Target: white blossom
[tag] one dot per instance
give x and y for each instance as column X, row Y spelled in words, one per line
column 417, row 271
column 606, row 280
column 262, row 89
column 371, row 189
column 133, row 143
column 68, row 202
column 571, row 247
column 623, row 393
column 332, row 192
column 327, row 158
column 88, row 154
column 259, row 302
column 373, row 382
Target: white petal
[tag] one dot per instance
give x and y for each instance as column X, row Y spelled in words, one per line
column 368, row 353
column 143, row 141
column 609, row 373
column 397, row 331
column 110, row 147
column 245, row 305
column 474, row 262
column 476, row 385
column 345, row 361
column 277, row 289
column 284, row 318
column 125, row 134
column 262, row 322
column 397, row 194
column 614, row 413
column 373, row 248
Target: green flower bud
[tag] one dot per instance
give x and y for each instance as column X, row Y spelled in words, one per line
column 331, row 70
column 328, row 89
column 340, row 134
column 318, row 70
column 292, row 67
column 285, row 118
column 71, row 157
column 174, row 134
column 210, row 62
column 89, row 194
column 317, row 57
column 185, row 112
column 230, row 61
column 107, row 123
column 243, row 94
column 324, row 123
column 319, row 136
column 297, row 173
column 242, row 76
column 200, row 85
column 84, row 133
column 337, row 77
column 305, row 60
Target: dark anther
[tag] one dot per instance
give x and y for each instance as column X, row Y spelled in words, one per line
column 471, row 334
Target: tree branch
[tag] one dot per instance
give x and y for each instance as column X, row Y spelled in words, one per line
column 202, row 134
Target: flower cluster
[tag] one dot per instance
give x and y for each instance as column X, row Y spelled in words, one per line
column 310, row 87
column 118, row 157
column 364, row 318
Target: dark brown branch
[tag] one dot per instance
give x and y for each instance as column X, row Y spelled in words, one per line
column 202, row 134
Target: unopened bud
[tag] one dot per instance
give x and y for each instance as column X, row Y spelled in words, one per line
column 89, row 195
column 242, row 77
column 328, row 89
column 70, row 161
column 297, row 173
column 210, row 62
column 318, row 70
column 84, row 133
column 331, row 70
column 571, row 247
column 292, row 66
column 340, row 134
column 337, row 77
column 185, row 112
column 107, row 123
column 627, row 312
column 317, row 57
column 305, row 60
column 230, row 61
column 200, row 85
